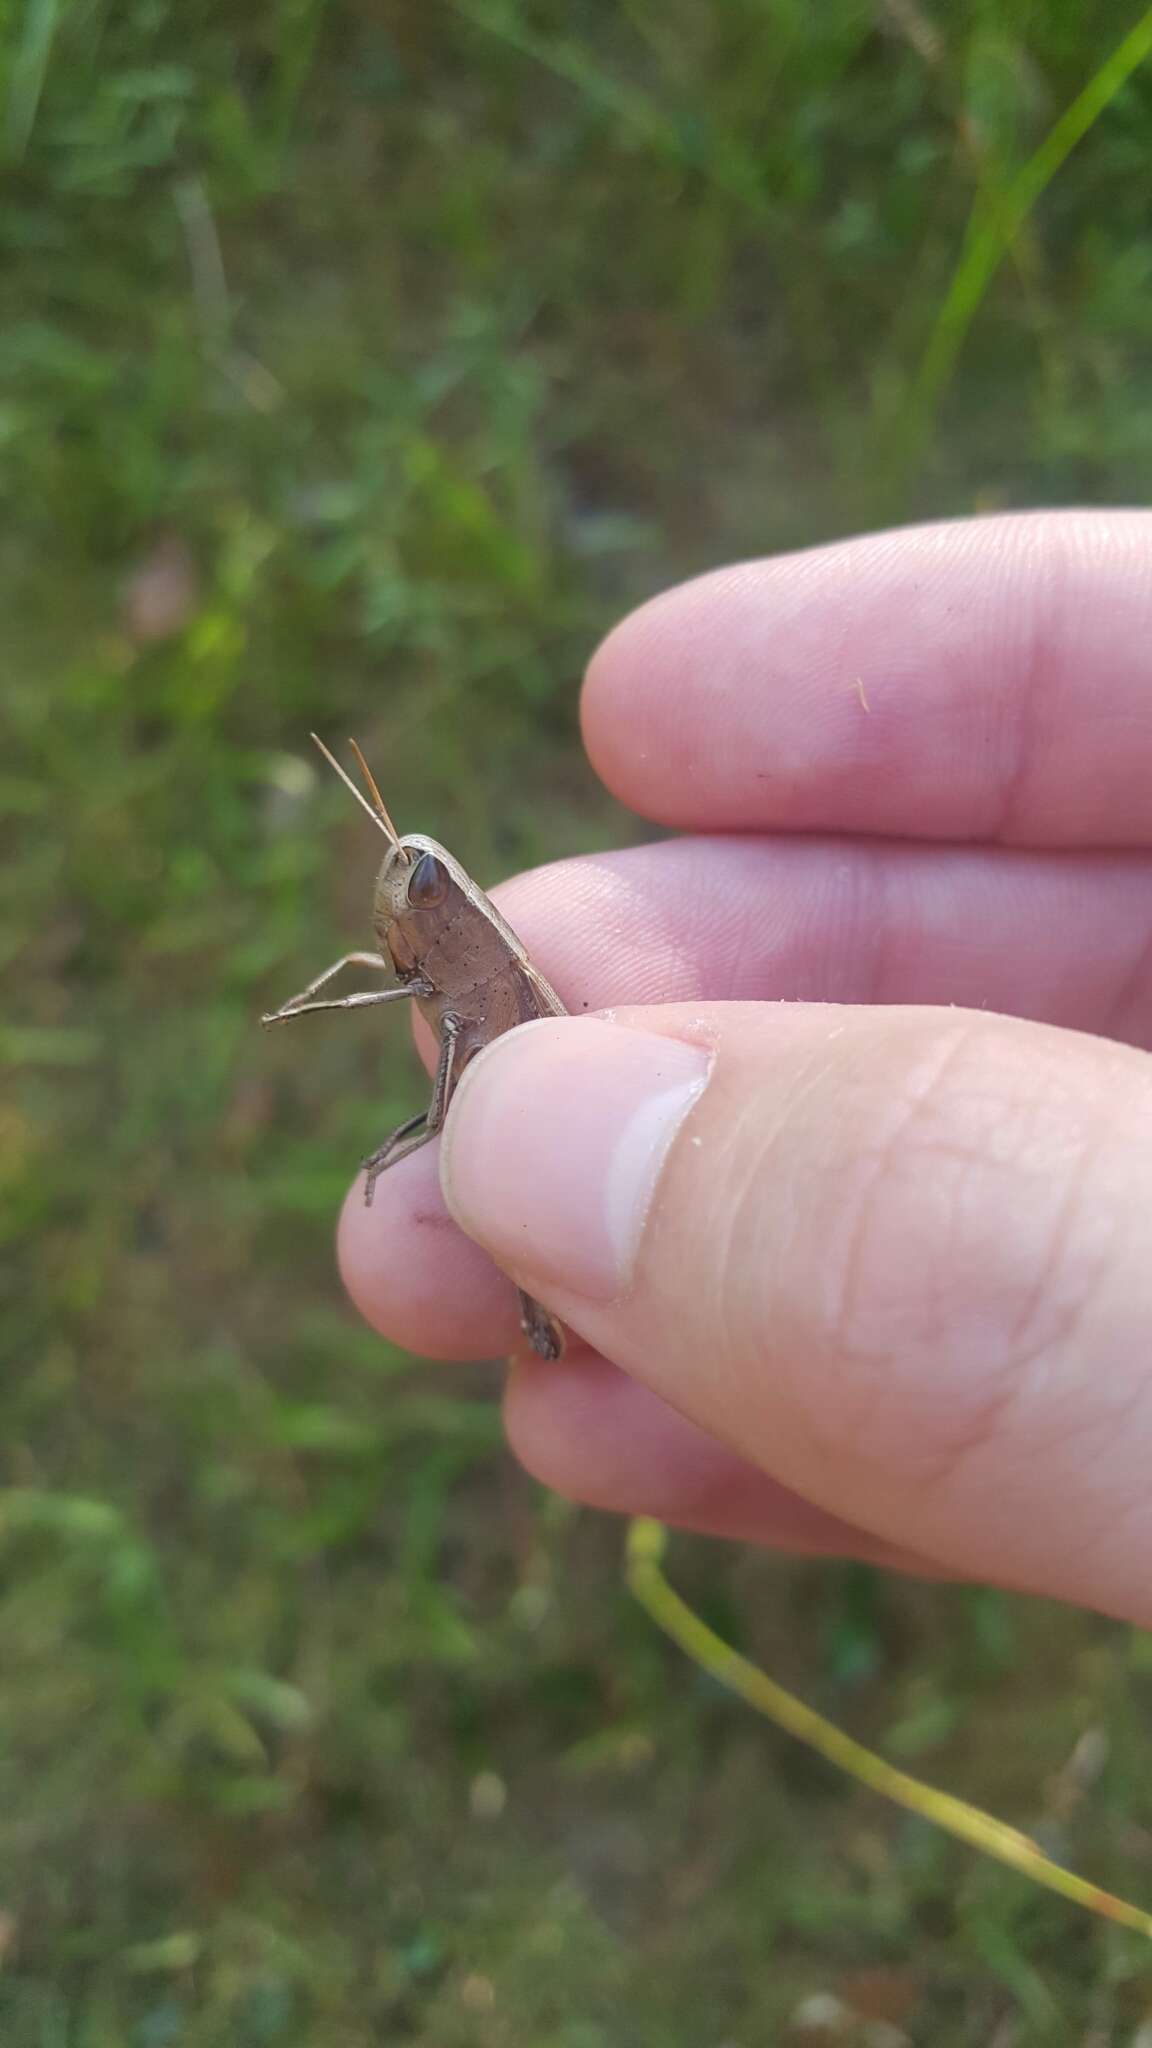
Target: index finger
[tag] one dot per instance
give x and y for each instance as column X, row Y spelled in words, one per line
column 989, row 679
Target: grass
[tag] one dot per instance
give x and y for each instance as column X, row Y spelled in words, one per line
column 390, row 354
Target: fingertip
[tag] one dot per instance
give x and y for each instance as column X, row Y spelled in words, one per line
column 587, row 1431
column 963, row 680
column 630, row 696
column 709, row 706
column 413, row 1274
column 561, row 1419
column 590, row 1432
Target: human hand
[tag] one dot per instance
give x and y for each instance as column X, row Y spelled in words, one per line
column 872, row 1279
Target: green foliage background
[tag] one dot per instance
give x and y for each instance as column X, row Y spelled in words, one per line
column 404, row 346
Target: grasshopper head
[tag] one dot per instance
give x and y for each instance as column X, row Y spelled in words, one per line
column 416, row 884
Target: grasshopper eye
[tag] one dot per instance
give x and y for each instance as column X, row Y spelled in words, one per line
column 428, row 883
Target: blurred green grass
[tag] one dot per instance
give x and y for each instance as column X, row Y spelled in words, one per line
column 358, row 364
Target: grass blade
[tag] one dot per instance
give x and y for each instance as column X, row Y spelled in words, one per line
column 994, row 223
column 29, row 70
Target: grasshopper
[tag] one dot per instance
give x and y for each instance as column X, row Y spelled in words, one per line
column 452, row 954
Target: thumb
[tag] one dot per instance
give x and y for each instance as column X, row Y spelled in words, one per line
column 897, row 1258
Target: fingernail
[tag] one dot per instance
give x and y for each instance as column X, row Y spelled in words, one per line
column 555, row 1144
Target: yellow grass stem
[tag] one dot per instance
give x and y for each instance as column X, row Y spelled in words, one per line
column 646, row 1580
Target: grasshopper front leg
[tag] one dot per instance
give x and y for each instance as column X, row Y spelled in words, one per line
column 299, row 1006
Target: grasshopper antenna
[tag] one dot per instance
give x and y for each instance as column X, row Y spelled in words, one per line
column 374, row 793
column 379, row 817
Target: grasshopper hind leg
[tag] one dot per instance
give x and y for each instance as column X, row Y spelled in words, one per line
column 407, row 1137
column 542, row 1330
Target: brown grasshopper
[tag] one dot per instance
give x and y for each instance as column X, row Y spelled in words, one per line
column 468, row 974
